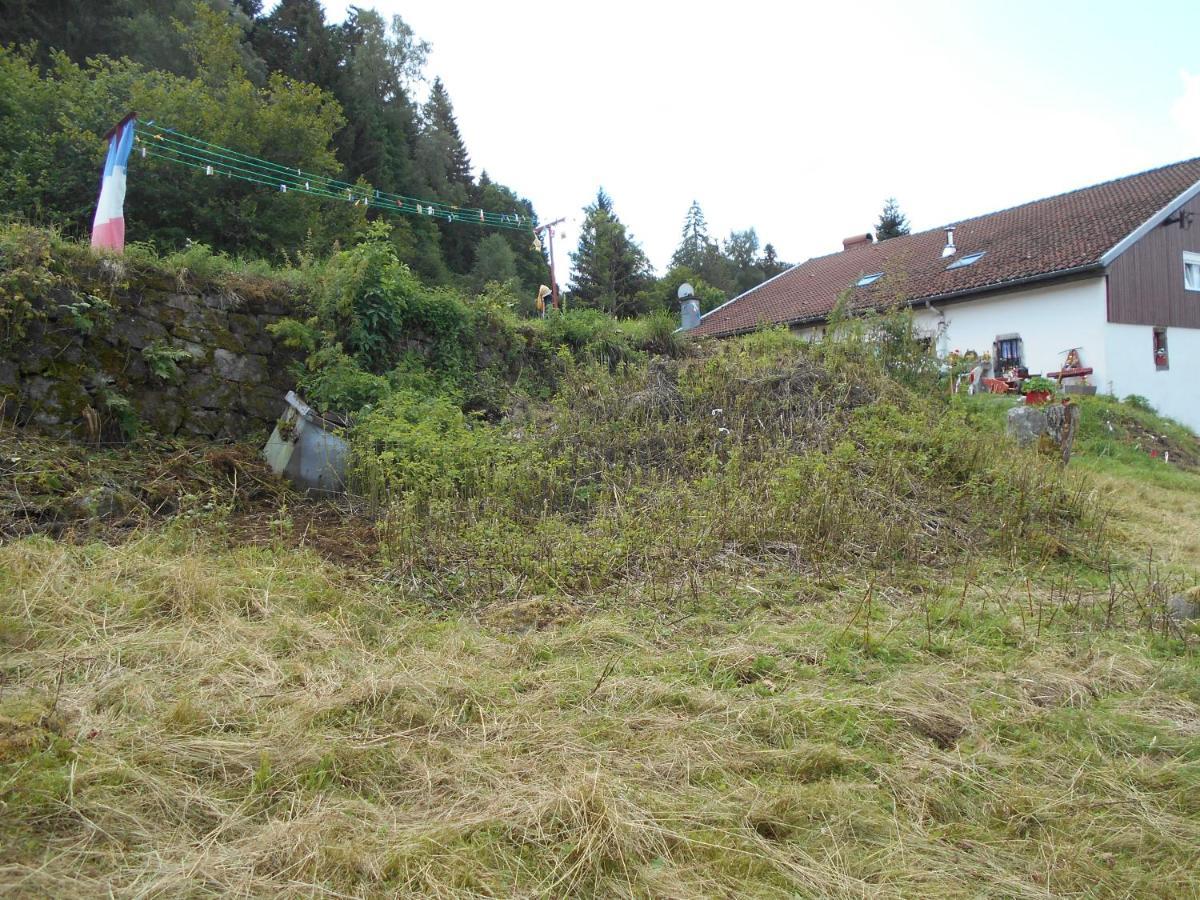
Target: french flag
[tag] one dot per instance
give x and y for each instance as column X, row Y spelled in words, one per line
column 108, row 228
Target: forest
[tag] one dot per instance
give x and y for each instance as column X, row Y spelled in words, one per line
column 352, row 100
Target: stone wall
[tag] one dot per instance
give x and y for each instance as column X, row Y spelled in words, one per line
column 200, row 363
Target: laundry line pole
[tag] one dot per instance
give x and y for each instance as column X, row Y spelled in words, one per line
column 549, row 229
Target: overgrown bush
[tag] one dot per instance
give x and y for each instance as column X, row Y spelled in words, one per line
column 420, row 445
column 757, row 447
column 591, row 333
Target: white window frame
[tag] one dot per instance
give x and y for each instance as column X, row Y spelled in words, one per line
column 1191, row 259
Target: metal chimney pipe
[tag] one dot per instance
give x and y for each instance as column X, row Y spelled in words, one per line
column 949, row 249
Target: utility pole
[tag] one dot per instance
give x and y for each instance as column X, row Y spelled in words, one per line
column 549, row 229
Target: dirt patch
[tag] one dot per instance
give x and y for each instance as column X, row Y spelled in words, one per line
column 78, row 491
column 530, row 614
column 937, row 725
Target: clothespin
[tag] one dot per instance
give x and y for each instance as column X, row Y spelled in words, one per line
column 208, row 170
column 283, row 188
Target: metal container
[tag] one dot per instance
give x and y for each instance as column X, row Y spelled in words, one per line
column 305, row 449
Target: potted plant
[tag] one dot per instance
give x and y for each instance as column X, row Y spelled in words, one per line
column 1037, row 390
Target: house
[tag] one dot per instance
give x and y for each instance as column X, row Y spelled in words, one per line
column 1112, row 271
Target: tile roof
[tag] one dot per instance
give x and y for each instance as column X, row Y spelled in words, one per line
column 1059, row 233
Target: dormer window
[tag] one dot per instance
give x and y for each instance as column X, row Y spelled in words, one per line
column 868, row 279
column 963, row 261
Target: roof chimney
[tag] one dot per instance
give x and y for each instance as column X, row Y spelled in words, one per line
column 949, row 249
column 857, row 240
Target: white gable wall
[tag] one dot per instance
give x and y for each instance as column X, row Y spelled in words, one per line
column 1051, row 319
column 1175, row 391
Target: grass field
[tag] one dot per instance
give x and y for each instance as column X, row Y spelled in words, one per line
column 244, row 696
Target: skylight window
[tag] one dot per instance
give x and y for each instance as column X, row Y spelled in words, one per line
column 963, row 261
column 868, row 279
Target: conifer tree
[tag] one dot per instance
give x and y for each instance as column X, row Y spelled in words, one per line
column 892, row 222
column 694, row 242
column 770, row 262
column 442, row 127
column 609, row 268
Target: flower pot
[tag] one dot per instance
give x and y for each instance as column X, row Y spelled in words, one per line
column 1037, row 398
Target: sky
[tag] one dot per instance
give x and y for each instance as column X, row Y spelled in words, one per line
column 799, row 119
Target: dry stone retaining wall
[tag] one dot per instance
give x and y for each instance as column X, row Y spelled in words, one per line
column 80, row 369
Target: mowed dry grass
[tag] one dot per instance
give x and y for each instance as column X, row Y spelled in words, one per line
column 1163, row 516
column 178, row 718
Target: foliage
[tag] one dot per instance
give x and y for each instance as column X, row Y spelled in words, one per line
column 1039, row 383
column 163, row 360
column 334, row 381
column 26, row 273
column 285, row 86
column 892, row 222
column 814, row 618
column 609, row 267
column 1137, row 401
column 589, row 333
column 663, row 294
column 694, row 242
column 656, row 333
column 424, row 446
column 1116, row 436
column 494, row 262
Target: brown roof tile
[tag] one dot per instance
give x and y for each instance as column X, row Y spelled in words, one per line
column 1057, row 234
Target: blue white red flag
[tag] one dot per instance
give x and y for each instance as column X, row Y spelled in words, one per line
column 108, row 228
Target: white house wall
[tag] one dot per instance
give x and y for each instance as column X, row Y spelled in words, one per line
column 1054, row 318
column 1050, row 319
column 1175, row 391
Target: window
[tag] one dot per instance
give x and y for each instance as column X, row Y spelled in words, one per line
column 1160, row 350
column 871, row 279
column 1191, row 271
column 970, row 259
column 1008, row 353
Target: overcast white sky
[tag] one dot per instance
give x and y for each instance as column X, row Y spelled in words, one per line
column 801, row 118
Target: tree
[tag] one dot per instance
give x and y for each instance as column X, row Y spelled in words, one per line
column 663, row 294
column 892, row 222
column 144, row 31
column 52, row 149
column 441, row 126
column 694, row 242
column 494, row 261
column 609, row 268
column 295, row 40
column 265, row 83
column 741, row 249
column 770, row 263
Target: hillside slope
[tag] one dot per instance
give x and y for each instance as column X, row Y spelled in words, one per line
column 767, row 621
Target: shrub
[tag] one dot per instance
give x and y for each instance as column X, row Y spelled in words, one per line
column 332, row 381
column 655, row 333
column 425, row 446
column 591, row 333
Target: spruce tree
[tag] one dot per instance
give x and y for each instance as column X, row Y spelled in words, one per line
column 770, row 262
column 892, row 222
column 609, row 268
column 441, row 125
column 694, row 242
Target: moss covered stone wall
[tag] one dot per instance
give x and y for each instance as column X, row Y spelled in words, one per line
column 148, row 355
